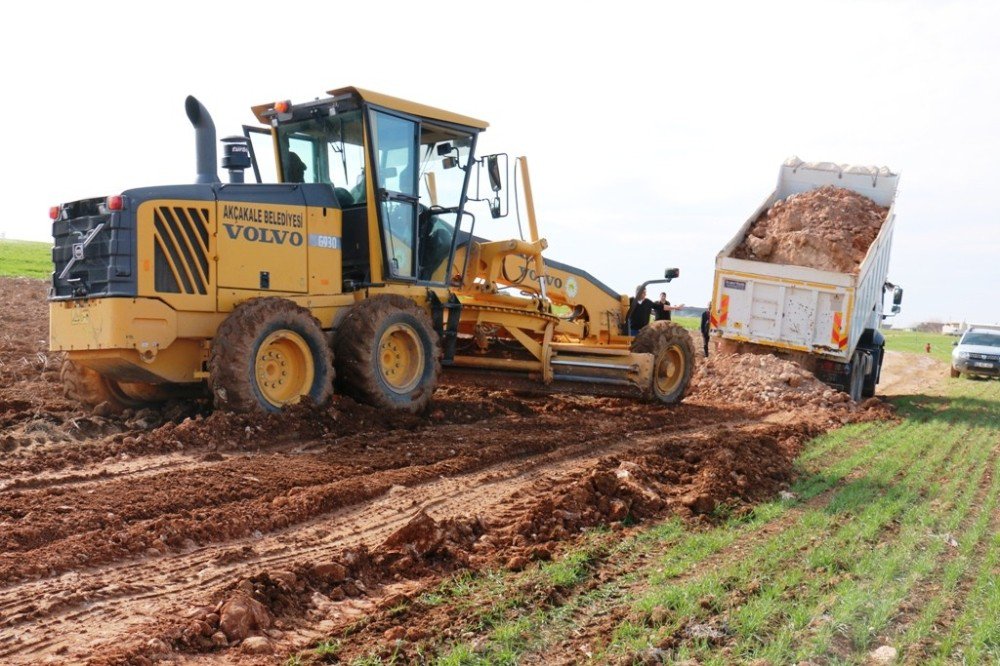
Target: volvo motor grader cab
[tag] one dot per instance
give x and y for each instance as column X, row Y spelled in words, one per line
column 358, row 271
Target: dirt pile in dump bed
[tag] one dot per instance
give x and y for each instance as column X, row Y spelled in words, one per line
column 830, row 228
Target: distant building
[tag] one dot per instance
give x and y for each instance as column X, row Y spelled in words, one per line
column 954, row 328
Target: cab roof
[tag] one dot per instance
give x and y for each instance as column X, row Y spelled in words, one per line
column 389, row 102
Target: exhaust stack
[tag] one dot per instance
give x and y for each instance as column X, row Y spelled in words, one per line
column 204, row 137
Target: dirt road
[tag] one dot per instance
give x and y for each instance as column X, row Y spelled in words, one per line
column 907, row 374
column 177, row 531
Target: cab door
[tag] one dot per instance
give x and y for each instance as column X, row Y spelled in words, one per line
column 394, row 153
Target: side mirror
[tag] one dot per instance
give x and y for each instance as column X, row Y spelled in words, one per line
column 444, row 148
column 955, row 343
column 672, row 273
column 449, row 162
column 897, row 296
column 493, row 168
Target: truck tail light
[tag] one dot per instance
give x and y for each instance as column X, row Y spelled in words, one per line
column 114, row 202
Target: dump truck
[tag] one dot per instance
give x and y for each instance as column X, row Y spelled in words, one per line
column 360, row 270
column 827, row 321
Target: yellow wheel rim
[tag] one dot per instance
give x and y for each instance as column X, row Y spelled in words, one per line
column 669, row 370
column 401, row 358
column 284, row 368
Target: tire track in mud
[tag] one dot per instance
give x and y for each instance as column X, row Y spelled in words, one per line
column 70, row 527
column 93, row 604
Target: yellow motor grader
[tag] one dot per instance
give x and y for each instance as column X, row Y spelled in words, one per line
column 358, row 271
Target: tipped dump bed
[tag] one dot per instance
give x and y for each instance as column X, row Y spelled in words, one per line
column 802, row 307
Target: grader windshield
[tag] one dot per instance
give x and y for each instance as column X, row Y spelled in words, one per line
column 419, row 171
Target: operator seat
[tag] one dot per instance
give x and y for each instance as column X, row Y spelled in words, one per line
column 344, row 197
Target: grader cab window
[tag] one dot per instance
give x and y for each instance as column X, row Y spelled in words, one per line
column 421, row 176
column 330, row 150
column 442, row 187
column 396, row 180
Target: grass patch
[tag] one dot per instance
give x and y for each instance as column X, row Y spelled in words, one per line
column 915, row 342
column 25, row 259
column 690, row 323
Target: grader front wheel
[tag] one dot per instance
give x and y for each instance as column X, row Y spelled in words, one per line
column 673, row 360
column 267, row 354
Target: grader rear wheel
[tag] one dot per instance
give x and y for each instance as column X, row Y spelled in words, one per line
column 91, row 388
column 388, row 354
column 673, row 360
column 267, row 354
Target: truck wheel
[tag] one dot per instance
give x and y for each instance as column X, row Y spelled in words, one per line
column 955, row 373
column 388, row 354
column 673, row 360
column 868, row 386
column 269, row 353
column 857, row 380
column 91, row 388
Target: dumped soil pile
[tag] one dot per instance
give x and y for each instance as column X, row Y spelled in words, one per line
column 830, row 228
column 775, row 384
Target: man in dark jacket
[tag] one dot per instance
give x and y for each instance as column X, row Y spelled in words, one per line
column 662, row 308
column 640, row 310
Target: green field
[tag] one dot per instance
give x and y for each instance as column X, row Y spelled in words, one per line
column 690, row 323
column 916, row 343
column 25, row 259
column 891, row 538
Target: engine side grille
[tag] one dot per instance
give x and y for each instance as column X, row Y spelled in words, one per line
column 180, row 256
column 984, row 357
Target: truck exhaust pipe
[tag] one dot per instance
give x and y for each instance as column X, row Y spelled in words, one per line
column 204, row 138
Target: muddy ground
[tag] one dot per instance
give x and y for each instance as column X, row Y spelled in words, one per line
column 180, row 534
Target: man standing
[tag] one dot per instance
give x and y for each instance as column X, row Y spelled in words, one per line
column 705, row 326
column 638, row 317
column 662, row 308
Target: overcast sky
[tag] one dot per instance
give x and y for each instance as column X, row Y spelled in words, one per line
column 652, row 136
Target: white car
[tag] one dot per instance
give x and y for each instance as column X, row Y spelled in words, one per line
column 977, row 353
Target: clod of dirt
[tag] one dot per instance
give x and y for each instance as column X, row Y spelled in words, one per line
column 395, row 634
column 885, row 654
column 241, row 615
column 334, row 572
column 257, row 645
column 829, row 228
column 424, row 543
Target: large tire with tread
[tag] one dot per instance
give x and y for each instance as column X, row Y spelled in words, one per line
column 388, row 354
column 269, row 353
column 857, row 381
column 673, row 360
column 955, row 373
column 90, row 388
column 868, row 387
